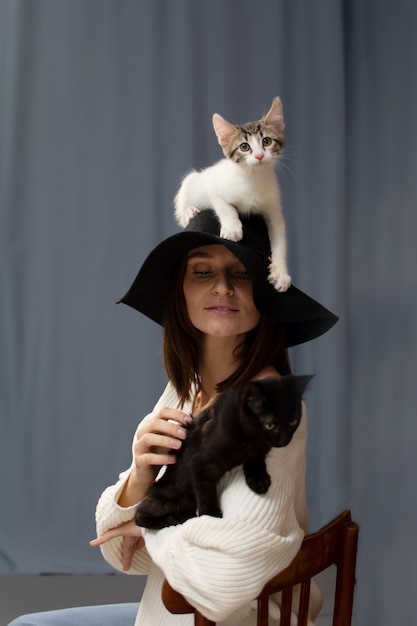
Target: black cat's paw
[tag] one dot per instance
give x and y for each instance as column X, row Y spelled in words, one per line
column 157, row 514
column 161, row 521
column 213, row 512
column 259, row 484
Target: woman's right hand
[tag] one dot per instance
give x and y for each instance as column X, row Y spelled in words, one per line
column 154, row 439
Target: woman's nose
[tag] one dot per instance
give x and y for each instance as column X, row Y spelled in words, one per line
column 223, row 283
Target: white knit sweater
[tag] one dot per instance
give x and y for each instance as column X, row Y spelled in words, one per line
column 220, row 564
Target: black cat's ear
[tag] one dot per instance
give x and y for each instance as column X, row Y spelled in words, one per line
column 300, row 383
column 253, row 396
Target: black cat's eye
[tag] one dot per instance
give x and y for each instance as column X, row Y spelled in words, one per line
column 266, row 141
column 245, row 147
column 269, row 426
column 294, row 423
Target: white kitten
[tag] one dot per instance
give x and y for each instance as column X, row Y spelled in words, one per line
column 244, row 181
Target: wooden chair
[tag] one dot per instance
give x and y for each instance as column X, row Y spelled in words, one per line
column 334, row 544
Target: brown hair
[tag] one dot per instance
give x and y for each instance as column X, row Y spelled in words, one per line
column 263, row 345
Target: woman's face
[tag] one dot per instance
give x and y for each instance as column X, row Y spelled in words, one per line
column 218, row 292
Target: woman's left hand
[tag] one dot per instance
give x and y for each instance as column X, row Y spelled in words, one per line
column 132, row 541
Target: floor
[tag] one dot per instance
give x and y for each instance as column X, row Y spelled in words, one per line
column 26, row 594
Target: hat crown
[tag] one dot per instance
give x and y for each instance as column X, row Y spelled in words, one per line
column 255, row 231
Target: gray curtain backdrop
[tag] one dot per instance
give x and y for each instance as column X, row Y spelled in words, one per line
column 105, row 104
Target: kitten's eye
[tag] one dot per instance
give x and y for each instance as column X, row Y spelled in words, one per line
column 266, row 141
column 245, row 147
column 269, row 426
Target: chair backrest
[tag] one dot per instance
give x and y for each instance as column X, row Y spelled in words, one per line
column 334, row 544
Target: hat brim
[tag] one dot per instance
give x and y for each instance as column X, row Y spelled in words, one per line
column 302, row 317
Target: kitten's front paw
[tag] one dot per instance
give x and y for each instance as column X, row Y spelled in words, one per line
column 234, row 233
column 281, row 282
column 186, row 214
column 190, row 212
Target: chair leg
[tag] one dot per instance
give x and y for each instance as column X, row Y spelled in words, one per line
column 263, row 610
column 303, row 613
column 286, row 606
column 345, row 586
column 200, row 620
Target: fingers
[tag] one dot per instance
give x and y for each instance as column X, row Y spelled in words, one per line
column 175, row 415
column 126, row 558
column 129, row 547
column 98, row 541
column 156, row 437
column 154, row 445
column 169, row 422
column 132, row 541
column 157, row 440
column 166, row 422
column 128, row 529
column 157, row 458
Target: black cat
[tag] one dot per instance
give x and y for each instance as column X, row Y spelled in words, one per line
column 241, row 426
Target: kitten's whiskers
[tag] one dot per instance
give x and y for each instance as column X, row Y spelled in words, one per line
column 283, row 166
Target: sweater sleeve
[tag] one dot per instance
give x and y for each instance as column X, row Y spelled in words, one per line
column 219, row 564
column 110, row 514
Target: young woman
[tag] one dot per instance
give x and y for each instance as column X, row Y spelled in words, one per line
column 224, row 323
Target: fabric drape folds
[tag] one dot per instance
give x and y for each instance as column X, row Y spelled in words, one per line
column 104, row 106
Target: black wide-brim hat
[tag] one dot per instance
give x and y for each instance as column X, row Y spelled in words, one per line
column 302, row 317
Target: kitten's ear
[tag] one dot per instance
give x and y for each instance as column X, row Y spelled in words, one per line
column 223, row 129
column 300, row 383
column 275, row 115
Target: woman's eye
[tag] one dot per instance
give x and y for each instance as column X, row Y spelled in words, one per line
column 245, row 147
column 240, row 271
column 266, row 141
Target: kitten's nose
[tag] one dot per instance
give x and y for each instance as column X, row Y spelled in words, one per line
column 259, row 156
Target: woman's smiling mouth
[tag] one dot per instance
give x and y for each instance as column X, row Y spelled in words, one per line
column 221, row 308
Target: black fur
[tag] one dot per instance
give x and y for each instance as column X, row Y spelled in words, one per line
column 240, row 427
